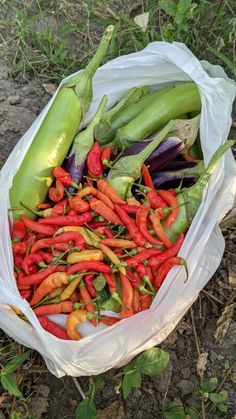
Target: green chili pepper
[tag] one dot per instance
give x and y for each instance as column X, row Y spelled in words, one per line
column 110, row 122
column 181, row 99
column 54, row 137
column 190, row 198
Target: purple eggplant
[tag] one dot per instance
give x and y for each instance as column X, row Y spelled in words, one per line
column 165, row 152
column 188, row 175
column 76, row 170
column 179, row 165
column 82, row 144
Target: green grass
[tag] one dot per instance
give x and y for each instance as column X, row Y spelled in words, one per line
column 52, row 39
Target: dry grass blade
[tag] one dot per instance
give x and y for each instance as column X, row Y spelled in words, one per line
column 224, row 322
column 201, row 364
column 232, row 275
column 229, row 220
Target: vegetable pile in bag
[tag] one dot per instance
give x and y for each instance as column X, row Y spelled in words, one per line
column 95, row 246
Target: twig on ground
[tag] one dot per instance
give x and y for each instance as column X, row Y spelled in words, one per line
column 79, row 388
column 199, row 353
column 195, row 333
column 211, row 296
column 167, row 389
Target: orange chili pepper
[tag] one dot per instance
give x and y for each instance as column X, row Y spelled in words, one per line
column 56, row 193
column 108, row 190
column 172, row 202
column 159, row 230
column 147, row 180
column 102, row 209
column 127, row 294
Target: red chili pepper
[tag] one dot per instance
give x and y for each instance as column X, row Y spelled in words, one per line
column 106, row 156
column 149, row 273
column 64, row 220
column 53, row 328
column 19, row 276
column 94, row 162
column 20, row 248
column 112, row 286
column 75, row 297
column 131, row 226
column 136, row 283
column 147, row 180
column 96, row 224
column 62, row 247
column 88, row 280
column 145, row 301
column 61, row 208
column 172, row 202
column 64, row 177
column 86, row 297
column 105, row 231
column 77, row 204
column 19, row 230
column 159, row 259
column 102, row 209
column 165, row 268
column 38, row 277
column 136, row 303
column 69, row 236
column 155, row 200
column 72, row 212
column 108, row 320
column 29, row 263
column 108, row 190
column 127, row 297
column 91, row 265
column 18, row 259
column 47, row 230
column 159, row 230
column 142, row 256
column 173, row 192
column 143, row 275
column 130, row 209
column 26, row 294
column 56, row 194
column 47, row 257
column 141, row 221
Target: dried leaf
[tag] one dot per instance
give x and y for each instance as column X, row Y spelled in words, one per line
column 223, row 322
column 201, row 363
column 50, row 88
column 3, row 397
column 232, row 275
column 142, row 20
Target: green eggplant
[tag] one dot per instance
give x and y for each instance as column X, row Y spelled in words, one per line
column 55, row 135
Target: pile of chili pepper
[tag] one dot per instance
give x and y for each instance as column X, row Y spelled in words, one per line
column 90, row 251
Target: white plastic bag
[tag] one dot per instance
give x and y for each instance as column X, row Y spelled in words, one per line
column 158, row 65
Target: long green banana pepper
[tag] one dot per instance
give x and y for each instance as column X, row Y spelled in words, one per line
column 55, row 135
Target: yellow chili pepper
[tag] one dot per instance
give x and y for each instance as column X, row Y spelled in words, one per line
column 112, row 256
column 76, row 257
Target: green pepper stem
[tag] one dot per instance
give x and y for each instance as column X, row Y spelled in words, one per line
column 98, row 56
column 38, row 213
